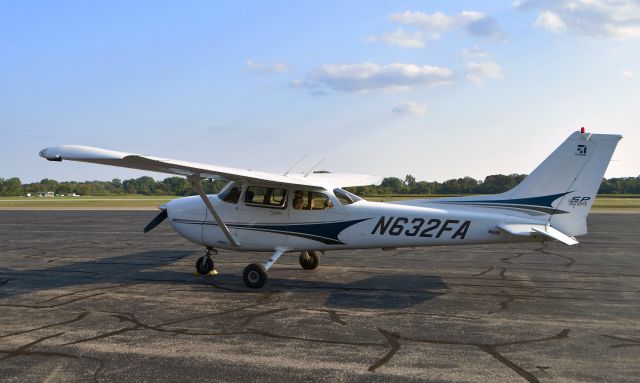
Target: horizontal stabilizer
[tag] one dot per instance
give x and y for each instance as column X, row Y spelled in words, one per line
column 525, row 230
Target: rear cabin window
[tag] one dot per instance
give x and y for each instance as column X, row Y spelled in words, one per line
column 309, row 200
column 265, row 197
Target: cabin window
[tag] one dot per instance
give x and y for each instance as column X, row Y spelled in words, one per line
column 345, row 197
column 310, row 200
column 230, row 195
column 265, row 197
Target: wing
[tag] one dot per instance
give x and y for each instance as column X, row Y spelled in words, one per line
column 192, row 169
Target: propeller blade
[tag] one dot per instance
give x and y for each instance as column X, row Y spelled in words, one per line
column 156, row 221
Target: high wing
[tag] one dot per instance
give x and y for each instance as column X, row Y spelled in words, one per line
column 192, row 169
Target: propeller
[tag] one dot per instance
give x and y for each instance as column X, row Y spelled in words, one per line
column 156, row 221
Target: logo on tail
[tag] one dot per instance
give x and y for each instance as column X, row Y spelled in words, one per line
column 578, row 201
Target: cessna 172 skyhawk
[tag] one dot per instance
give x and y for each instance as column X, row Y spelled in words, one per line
column 310, row 213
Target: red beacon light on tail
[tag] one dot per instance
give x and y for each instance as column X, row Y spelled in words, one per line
column 582, row 130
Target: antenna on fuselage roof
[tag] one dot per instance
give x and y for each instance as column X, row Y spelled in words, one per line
column 315, row 166
column 295, row 165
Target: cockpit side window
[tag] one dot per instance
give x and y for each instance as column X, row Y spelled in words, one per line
column 310, row 200
column 345, row 197
column 265, row 197
column 231, row 194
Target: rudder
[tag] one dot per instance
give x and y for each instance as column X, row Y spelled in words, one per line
column 574, row 171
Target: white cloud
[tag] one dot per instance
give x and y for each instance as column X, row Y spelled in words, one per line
column 401, row 38
column 369, row 76
column 627, row 73
column 476, row 51
column 604, row 18
column 253, row 66
column 409, row 107
column 437, row 23
column 550, row 21
column 477, row 73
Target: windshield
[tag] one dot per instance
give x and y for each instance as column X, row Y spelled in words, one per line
column 345, row 197
column 231, row 193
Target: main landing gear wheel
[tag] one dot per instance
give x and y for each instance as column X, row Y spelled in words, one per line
column 204, row 265
column 254, row 275
column 309, row 260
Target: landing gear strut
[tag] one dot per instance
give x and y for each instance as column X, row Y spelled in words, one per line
column 204, row 265
column 309, row 260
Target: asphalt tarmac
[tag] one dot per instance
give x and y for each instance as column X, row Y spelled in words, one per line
column 86, row 296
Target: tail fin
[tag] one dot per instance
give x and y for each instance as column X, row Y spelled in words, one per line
column 568, row 180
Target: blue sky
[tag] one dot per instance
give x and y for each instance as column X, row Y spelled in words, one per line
column 436, row 89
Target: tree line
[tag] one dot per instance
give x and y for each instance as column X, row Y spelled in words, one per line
column 180, row 186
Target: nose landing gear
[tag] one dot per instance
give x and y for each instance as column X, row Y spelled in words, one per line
column 309, row 260
column 204, row 265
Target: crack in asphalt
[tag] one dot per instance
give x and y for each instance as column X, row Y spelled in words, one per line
column 333, row 315
column 394, row 343
column 507, row 302
column 491, row 349
column 392, row 339
column 631, row 342
column 543, row 249
column 79, row 317
column 83, row 291
column 22, row 351
column 483, row 273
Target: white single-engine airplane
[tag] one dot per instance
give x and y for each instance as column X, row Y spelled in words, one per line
column 310, row 213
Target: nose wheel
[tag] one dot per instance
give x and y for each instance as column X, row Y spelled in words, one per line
column 204, row 264
column 309, row 260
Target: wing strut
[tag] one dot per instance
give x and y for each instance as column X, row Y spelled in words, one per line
column 197, row 186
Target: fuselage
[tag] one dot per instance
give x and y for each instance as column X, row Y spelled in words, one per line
column 265, row 218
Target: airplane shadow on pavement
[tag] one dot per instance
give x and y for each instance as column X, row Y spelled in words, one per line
column 395, row 291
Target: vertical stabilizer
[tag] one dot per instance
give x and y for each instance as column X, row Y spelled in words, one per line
column 573, row 173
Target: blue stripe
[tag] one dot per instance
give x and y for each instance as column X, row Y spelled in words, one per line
column 541, row 204
column 326, row 232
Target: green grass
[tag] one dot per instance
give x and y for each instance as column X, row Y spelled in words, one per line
column 147, row 202
column 87, row 202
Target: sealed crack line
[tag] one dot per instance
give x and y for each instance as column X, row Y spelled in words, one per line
column 333, row 315
column 36, row 306
column 509, row 258
column 630, row 341
column 22, row 351
column 394, row 342
column 483, row 273
column 84, row 291
column 507, row 362
column 76, row 319
column 507, row 302
column 491, row 349
column 248, row 318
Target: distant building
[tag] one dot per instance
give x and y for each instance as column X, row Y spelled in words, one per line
column 73, row 195
column 45, row 194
